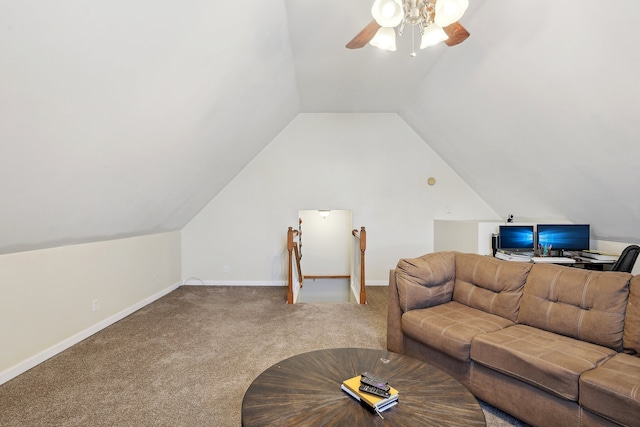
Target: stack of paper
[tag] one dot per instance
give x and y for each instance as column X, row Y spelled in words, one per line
column 510, row 256
column 600, row 256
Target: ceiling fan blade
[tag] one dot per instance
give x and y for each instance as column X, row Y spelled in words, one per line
column 457, row 34
column 364, row 36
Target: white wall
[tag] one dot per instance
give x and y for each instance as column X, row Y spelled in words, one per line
column 46, row 296
column 371, row 164
column 326, row 243
column 465, row 236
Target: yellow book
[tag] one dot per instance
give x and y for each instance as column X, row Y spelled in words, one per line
column 352, row 386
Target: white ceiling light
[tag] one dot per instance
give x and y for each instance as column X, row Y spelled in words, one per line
column 387, row 13
column 430, row 16
column 384, row 39
column 433, row 35
column 450, row 11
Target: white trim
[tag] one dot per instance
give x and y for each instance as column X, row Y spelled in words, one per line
column 65, row 344
column 197, row 282
column 377, row 283
column 194, row 281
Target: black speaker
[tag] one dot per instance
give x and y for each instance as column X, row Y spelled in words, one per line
column 495, row 243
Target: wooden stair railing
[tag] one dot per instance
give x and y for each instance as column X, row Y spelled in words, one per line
column 292, row 248
column 362, row 236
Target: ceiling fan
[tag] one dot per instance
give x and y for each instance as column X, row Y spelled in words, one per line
column 437, row 21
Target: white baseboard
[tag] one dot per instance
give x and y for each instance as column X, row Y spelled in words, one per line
column 193, row 281
column 198, row 282
column 60, row 347
column 377, row 283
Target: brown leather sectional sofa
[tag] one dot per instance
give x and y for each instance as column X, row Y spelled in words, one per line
column 551, row 345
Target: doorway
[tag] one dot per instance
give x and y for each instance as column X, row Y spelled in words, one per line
column 326, row 247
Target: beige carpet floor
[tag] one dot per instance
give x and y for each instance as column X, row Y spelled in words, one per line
column 187, row 359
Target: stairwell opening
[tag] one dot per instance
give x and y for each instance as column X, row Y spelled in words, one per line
column 326, row 290
column 326, row 246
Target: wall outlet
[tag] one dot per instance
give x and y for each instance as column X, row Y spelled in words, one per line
column 448, row 209
column 96, row 305
column 225, row 268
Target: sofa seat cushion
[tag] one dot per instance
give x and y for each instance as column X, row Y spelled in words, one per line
column 612, row 389
column 450, row 327
column 543, row 359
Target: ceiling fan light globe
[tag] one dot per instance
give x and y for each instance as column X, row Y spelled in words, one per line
column 389, row 9
column 449, row 11
column 433, row 35
column 384, row 39
column 387, row 13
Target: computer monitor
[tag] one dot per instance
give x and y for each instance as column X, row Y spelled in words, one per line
column 564, row 237
column 517, row 237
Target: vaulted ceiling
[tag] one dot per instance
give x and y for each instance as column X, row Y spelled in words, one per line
column 126, row 117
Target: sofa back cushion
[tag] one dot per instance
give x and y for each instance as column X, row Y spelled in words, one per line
column 583, row 304
column 489, row 284
column 425, row 281
column 631, row 338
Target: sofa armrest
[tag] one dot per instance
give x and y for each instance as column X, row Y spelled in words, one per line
column 395, row 337
column 425, row 281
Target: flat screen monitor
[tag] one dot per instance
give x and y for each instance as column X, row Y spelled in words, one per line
column 564, row 237
column 517, row 237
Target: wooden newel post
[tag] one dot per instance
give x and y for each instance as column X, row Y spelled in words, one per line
column 363, row 247
column 290, row 266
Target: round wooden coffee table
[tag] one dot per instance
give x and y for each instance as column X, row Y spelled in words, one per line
column 304, row 390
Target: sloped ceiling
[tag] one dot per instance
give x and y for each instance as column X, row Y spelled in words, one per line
column 539, row 111
column 125, row 118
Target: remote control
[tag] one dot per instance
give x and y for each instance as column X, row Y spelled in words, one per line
column 372, row 380
column 375, row 377
column 373, row 383
column 374, row 390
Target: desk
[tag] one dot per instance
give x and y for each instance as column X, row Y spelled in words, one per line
column 586, row 263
